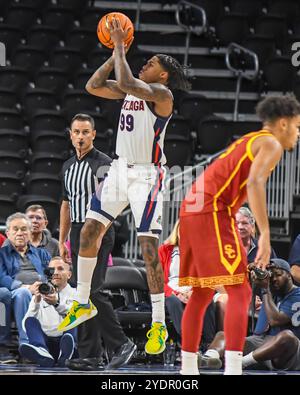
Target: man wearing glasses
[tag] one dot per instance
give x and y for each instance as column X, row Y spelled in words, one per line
column 40, row 235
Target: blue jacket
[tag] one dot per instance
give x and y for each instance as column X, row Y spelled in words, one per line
column 10, row 264
column 253, row 251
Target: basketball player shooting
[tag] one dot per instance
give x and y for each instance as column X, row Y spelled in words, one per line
column 135, row 178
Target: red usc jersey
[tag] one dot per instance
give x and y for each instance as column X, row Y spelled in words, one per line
column 211, row 250
column 222, row 185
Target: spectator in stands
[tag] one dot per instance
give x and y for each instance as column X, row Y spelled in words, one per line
column 294, row 260
column 46, row 311
column 40, row 235
column 275, row 343
column 121, row 235
column 91, row 165
column 2, row 239
column 177, row 297
column 246, row 226
column 21, row 269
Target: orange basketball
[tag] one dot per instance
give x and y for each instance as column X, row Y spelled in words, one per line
column 103, row 32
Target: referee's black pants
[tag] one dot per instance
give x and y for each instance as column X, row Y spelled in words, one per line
column 105, row 324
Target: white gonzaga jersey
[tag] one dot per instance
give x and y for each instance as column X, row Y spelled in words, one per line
column 141, row 133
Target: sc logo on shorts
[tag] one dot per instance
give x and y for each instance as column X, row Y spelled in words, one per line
column 229, row 251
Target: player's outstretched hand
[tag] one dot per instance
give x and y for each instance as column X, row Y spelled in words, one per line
column 262, row 258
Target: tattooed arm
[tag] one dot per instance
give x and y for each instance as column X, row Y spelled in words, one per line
column 154, row 92
column 99, row 85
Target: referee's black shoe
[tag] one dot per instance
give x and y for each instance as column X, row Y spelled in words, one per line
column 122, row 356
column 89, row 364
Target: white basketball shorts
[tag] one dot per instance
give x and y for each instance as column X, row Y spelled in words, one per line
column 140, row 186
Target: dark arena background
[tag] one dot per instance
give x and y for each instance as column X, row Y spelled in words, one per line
column 236, row 52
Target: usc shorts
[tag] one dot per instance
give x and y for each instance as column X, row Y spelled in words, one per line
column 211, row 251
column 138, row 185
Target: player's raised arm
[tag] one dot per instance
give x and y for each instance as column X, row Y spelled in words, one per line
column 100, row 85
column 267, row 152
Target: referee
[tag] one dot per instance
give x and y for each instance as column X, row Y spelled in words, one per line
column 81, row 175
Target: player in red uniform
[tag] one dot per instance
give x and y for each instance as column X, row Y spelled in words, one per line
column 210, row 246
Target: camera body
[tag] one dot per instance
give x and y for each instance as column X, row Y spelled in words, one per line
column 261, row 274
column 47, row 288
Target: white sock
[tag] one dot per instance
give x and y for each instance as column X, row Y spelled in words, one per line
column 211, row 353
column 85, row 270
column 233, row 363
column 248, row 360
column 158, row 307
column 189, row 363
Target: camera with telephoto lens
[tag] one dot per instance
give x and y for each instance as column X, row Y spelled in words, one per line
column 261, row 274
column 47, row 288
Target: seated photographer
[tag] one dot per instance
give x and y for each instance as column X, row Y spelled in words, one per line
column 21, row 268
column 275, row 343
column 47, row 309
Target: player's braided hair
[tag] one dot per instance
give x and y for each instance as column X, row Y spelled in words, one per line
column 274, row 107
column 177, row 78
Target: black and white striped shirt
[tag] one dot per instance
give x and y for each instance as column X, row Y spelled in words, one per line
column 80, row 179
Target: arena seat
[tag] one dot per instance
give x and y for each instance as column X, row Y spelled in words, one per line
column 83, row 39
column 79, row 101
column 14, row 140
column 179, row 126
column 127, row 286
column 11, row 35
column 250, row 8
column 139, row 263
column 61, row 18
column 178, row 150
column 44, row 37
column 272, row 26
column 38, row 99
column 213, row 135
column 37, row 4
column 8, row 98
column 97, row 57
column 118, row 261
column 194, row 108
column 47, row 162
column 232, row 28
column 50, row 141
column 29, row 57
column 47, row 120
column 44, row 184
column 52, row 79
column 12, row 162
column 24, row 14
column 263, row 46
column 66, row 59
column 290, row 9
column 11, row 184
column 77, row 6
column 7, row 207
column 279, row 74
column 15, row 78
